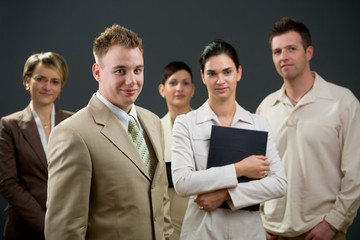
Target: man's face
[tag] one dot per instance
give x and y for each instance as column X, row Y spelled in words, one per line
column 120, row 73
column 290, row 59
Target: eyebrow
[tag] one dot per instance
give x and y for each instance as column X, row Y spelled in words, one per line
column 225, row 69
column 126, row 67
column 43, row 76
column 287, row 46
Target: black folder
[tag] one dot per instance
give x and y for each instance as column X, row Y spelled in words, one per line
column 229, row 145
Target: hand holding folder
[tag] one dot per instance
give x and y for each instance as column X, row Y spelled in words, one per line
column 230, row 145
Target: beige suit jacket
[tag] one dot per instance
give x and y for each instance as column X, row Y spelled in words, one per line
column 98, row 186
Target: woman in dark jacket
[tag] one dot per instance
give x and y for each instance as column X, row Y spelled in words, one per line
column 23, row 143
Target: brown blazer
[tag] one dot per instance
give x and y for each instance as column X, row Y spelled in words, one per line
column 23, row 174
column 98, row 185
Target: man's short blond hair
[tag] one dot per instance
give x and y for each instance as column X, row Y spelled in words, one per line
column 115, row 35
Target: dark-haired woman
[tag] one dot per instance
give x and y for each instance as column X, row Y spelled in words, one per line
column 209, row 188
column 177, row 89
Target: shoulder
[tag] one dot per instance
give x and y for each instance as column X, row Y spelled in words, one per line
column 61, row 114
column 268, row 102
column 75, row 120
column 188, row 117
column 13, row 118
column 270, row 98
column 339, row 92
column 259, row 122
column 144, row 113
column 165, row 118
column 194, row 120
column 166, row 122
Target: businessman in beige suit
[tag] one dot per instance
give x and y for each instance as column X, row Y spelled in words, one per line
column 99, row 185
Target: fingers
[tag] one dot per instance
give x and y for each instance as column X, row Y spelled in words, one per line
column 253, row 167
column 261, row 157
column 269, row 236
column 265, row 168
column 200, row 203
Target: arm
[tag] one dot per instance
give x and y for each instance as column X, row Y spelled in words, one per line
column 212, row 200
column 189, row 162
column 252, row 167
column 272, row 186
column 70, row 173
column 348, row 198
column 19, row 198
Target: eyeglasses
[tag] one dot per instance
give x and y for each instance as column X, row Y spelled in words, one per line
column 43, row 80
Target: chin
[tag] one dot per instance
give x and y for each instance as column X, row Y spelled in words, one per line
column 180, row 104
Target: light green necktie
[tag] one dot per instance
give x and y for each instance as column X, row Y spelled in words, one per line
column 140, row 144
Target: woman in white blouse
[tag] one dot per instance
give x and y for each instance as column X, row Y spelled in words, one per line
column 177, row 89
column 23, row 145
column 209, row 188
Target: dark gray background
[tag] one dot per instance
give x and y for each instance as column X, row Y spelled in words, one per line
column 174, row 30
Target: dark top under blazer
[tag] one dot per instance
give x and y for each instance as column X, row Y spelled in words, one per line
column 24, row 174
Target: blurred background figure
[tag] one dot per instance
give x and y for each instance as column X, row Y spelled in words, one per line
column 177, row 89
column 23, row 144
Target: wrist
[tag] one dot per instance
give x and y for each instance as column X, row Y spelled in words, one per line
column 238, row 169
column 227, row 195
column 331, row 226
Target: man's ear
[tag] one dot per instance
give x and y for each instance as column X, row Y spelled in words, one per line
column 96, row 72
column 309, row 52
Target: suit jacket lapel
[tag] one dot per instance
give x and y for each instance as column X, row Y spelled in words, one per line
column 28, row 127
column 115, row 132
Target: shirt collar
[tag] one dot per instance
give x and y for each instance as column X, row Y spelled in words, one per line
column 319, row 90
column 205, row 113
column 40, row 126
column 119, row 113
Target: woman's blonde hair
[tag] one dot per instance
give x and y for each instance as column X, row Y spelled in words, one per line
column 50, row 59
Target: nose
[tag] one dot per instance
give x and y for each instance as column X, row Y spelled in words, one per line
column 47, row 85
column 131, row 79
column 220, row 80
column 179, row 87
column 283, row 55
